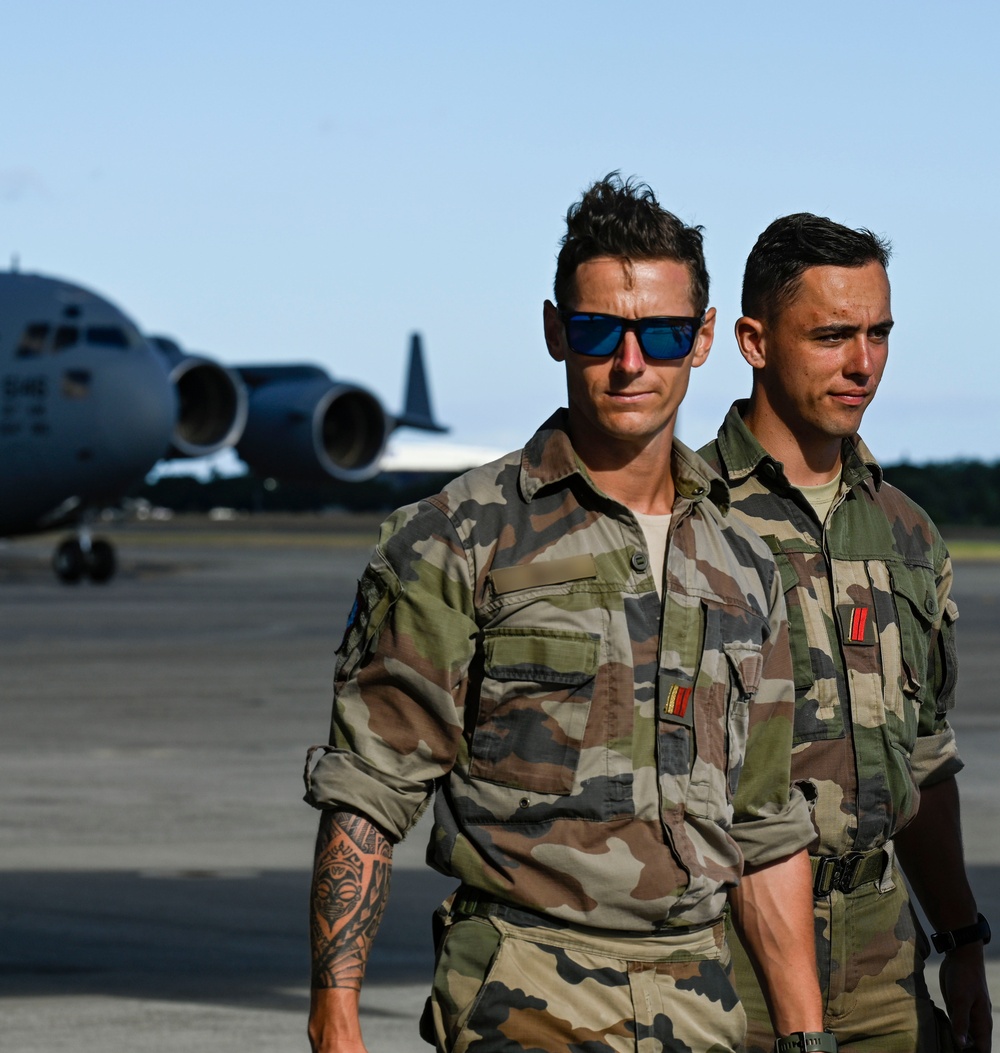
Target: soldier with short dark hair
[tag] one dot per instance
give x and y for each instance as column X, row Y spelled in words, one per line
column 867, row 579
column 584, row 661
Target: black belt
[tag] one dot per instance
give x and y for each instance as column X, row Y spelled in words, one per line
column 848, row 872
column 478, row 904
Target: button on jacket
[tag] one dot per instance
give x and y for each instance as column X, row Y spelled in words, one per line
column 872, row 633
column 597, row 756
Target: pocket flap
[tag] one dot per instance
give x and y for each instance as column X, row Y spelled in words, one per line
column 548, row 656
column 789, row 575
column 747, row 664
column 917, row 585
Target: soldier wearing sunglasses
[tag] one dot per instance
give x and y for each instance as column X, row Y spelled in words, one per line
column 866, row 579
column 584, row 661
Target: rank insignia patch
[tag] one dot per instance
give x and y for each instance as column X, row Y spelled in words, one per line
column 675, row 699
column 857, row 625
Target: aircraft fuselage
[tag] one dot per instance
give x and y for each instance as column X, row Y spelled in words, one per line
column 86, row 405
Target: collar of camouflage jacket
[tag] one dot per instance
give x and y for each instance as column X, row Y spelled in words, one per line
column 743, row 455
column 549, row 458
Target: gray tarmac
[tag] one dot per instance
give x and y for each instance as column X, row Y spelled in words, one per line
column 154, row 847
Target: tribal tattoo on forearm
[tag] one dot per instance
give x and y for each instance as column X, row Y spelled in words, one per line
column 349, row 892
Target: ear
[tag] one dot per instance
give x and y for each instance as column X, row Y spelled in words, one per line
column 703, row 341
column 555, row 332
column 751, row 340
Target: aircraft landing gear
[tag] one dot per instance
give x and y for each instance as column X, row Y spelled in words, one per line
column 76, row 557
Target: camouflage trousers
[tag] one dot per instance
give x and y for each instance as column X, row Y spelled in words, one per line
column 870, row 951
column 505, row 987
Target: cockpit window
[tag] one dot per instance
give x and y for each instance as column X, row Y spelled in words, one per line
column 107, row 336
column 33, row 340
column 66, row 336
column 40, row 338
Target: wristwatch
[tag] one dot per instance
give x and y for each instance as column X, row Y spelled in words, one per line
column 948, row 941
column 807, row 1042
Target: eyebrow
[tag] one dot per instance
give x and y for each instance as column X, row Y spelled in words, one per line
column 849, row 330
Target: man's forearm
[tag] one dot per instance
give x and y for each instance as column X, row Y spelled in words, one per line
column 930, row 853
column 349, row 893
column 773, row 913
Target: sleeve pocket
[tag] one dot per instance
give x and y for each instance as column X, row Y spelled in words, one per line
column 378, row 591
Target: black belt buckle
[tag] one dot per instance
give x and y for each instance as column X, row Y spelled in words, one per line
column 850, row 866
column 470, row 904
column 826, row 875
column 837, row 873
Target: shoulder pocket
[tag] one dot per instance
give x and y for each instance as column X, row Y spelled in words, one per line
column 378, row 591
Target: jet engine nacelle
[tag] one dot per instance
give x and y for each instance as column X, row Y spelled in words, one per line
column 211, row 402
column 303, row 425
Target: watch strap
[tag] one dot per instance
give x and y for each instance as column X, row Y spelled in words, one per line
column 807, row 1042
column 952, row 938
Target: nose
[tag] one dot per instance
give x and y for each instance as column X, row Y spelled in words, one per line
column 861, row 361
column 628, row 355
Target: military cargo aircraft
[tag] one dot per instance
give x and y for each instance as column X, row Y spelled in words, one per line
column 88, row 404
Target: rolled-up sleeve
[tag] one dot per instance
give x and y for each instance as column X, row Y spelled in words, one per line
column 401, row 675
column 935, row 757
column 935, row 753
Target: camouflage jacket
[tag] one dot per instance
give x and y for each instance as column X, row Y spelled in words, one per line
column 872, row 631
column 506, row 649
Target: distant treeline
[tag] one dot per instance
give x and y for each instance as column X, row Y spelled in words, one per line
column 955, row 493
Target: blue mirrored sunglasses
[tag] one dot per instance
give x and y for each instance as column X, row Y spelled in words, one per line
column 661, row 338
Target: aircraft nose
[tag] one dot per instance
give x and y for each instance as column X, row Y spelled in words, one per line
column 139, row 408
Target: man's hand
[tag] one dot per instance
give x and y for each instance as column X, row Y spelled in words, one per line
column 349, row 892
column 966, row 998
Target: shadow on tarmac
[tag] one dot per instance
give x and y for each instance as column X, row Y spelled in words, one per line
column 226, row 939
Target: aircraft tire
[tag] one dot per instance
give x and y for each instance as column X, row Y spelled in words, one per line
column 69, row 562
column 100, row 561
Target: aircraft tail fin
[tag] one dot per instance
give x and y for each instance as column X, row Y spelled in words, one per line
column 417, row 412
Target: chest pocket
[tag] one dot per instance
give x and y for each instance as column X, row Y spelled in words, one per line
column 535, row 699
column 915, row 598
column 908, row 648
column 819, row 713
column 726, row 686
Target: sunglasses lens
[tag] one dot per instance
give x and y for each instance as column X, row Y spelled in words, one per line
column 664, row 340
column 593, row 334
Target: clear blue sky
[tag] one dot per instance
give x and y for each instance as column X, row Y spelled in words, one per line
column 313, row 180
